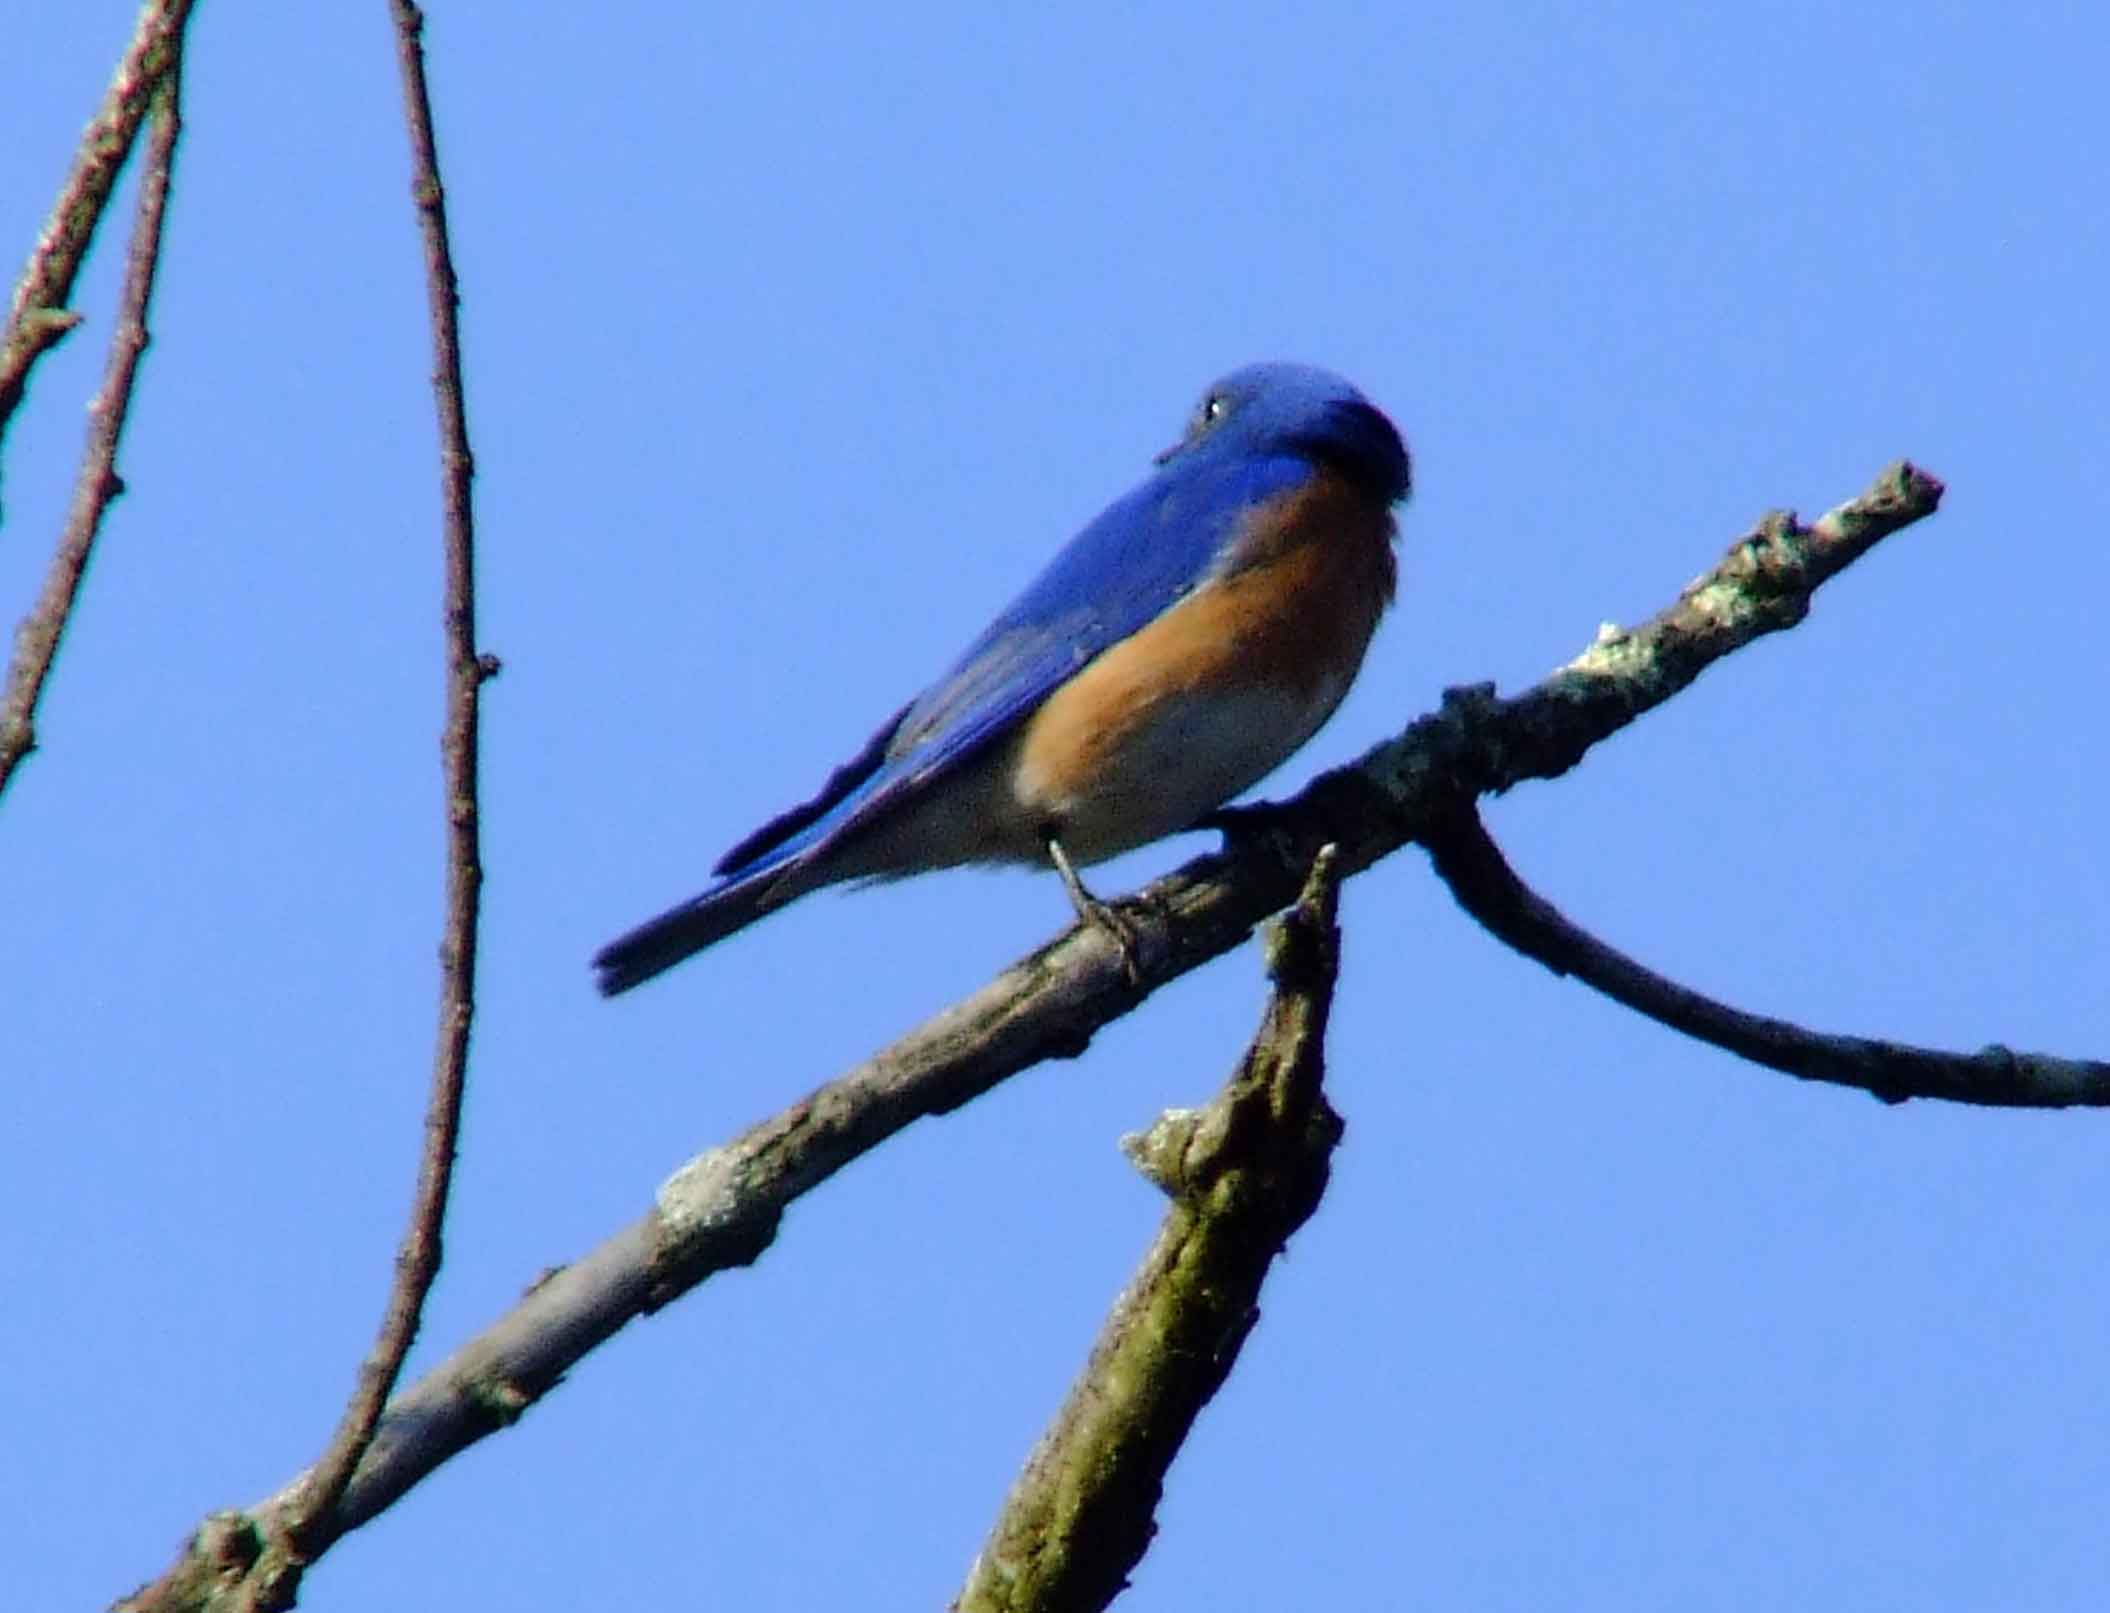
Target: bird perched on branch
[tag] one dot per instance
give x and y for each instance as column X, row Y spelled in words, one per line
column 1171, row 656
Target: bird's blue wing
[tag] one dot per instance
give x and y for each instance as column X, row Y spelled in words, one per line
column 1120, row 573
column 1116, row 576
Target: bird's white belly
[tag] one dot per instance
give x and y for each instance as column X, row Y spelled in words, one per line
column 1186, row 756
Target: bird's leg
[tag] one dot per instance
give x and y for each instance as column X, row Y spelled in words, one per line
column 1098, row 914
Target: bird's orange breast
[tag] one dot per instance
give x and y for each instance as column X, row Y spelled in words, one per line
column 1199, row 705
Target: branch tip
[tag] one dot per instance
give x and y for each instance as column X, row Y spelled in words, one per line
column 1487, row 887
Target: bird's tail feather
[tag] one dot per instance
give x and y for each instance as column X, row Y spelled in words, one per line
column 660, row 943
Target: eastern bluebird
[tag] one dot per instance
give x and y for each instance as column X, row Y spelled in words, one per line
column 1176, row 652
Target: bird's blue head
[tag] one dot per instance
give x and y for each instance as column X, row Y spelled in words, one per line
column 1299, row 408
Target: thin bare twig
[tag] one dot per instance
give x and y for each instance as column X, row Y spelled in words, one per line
column 37, row 317
column 309, row 1524
column 1244, row 1172
column 722, row 1209
column 1489, row 889
column 418, row 1262
column 37, row 639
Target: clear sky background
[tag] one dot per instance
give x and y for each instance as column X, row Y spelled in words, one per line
column 796, row 345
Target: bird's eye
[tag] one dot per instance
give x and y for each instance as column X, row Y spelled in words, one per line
column 1208, row 415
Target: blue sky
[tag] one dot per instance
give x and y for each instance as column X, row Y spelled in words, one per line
column 796, row 344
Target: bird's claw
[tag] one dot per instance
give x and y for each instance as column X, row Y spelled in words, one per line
column 1116, row 927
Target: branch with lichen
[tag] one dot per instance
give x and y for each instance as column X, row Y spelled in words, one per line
column 1243, row 1172
column 722, row 1209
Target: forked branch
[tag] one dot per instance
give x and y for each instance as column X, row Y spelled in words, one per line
column 722, row 1209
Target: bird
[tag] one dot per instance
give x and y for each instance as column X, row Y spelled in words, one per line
column 1175, row 652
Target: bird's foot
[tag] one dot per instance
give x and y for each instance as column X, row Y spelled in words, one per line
column 1101, row 916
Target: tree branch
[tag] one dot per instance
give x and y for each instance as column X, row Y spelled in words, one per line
column 418, row 1261
column 37, row 317
column 1243, row 1173
column 37, row 639
column 722, row 1208
column 1489, row 889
